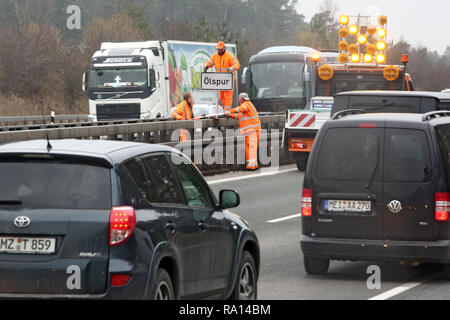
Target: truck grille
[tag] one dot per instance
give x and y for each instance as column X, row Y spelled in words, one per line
column 118, row 111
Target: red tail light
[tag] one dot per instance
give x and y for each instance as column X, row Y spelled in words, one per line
column 119, row 280
column 122, row 221
column 307, row 202
column 442, row 206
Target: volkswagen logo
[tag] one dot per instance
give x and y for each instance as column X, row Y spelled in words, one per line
column 22, row 222
column 395, row 206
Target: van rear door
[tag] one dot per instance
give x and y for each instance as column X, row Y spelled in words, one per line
column 408, row 196
column 347, row 183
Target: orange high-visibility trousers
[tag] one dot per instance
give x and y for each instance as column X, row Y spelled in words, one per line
column 184, row 135
column 227, row 98
column 251, row 148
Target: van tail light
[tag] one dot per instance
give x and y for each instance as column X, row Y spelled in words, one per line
column 122, row 222
column 442, row 206
column 307, row 202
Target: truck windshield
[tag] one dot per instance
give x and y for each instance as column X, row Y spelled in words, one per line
column 106, row 78
column 276, row 80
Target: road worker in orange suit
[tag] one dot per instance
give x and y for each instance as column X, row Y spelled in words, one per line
column 184, row 112
column 250, row 126
column 224, row 61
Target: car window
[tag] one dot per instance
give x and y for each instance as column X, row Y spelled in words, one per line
column 162, row 185
column 55, row 184
column 137, row 172
column 407, row 156
column 194, row 187
column 348, row 154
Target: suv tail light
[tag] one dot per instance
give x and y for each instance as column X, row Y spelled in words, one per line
column 122, row 221
column 442, row 206
column 307, row 202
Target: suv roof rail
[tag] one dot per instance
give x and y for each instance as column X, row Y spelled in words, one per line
column 347, row 112
column 435, row 114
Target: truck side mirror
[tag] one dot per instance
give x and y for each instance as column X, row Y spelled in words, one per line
column 244, row 76
column 85, row 82
column 152, row 83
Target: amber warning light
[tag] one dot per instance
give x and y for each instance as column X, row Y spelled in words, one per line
column 405, row 58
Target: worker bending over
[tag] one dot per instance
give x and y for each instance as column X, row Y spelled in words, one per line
column 250, row 126
column 184, row 112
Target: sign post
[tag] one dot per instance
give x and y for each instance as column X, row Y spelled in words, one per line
column 217, row 81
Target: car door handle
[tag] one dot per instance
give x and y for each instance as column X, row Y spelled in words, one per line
column 201, row 225
column 171, row 226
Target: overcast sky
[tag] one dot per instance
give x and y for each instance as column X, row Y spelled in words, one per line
column 419, row 22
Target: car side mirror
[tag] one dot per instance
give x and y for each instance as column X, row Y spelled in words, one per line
column 229, row 199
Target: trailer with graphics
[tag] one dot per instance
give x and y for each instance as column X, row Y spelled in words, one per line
column 146, row 80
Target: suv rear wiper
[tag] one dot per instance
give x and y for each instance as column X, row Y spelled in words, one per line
column 377, row 107
column 11, row 202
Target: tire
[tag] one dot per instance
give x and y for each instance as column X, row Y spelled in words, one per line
column 302, row 161
column 246, row 285
column 163, row 288
column 316, row 266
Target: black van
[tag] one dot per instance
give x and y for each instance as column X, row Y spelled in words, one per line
column 377, row 188
column 391, row 101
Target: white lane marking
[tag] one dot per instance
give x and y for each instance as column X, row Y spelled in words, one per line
column 400, row 289
column 298, row 215
column 249, row 176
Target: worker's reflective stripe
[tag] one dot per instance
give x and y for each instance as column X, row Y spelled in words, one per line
column 252, row 126
column 234, row 58
column 250, row 118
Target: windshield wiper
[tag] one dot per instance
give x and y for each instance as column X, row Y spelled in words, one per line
column 11, row 202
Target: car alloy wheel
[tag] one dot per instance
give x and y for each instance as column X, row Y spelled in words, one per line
column 164, row 288
column 247, row 283
column 163, row 292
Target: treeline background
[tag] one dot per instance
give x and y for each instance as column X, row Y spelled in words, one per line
column 42, row 61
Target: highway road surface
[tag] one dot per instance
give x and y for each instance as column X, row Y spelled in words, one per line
column 270, row 202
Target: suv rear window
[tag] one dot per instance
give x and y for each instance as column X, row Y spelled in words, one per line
column 54, row 184
column 349, row 154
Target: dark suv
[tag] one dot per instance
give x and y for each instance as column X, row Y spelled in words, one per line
column 377, row 188
column 391, row 101
column 107, row 219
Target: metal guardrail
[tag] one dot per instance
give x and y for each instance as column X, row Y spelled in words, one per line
column 160, row 132
column 150, row 131
column 39, row 120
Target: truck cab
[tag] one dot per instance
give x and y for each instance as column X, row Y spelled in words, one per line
column 128, row 81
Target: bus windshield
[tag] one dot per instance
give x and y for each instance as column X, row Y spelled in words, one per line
column 276, row 80
column 115, row 78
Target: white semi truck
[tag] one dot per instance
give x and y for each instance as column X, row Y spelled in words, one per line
column 145, row 80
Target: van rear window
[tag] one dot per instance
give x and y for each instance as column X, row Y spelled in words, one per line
column 407, row 156
column 52, row 184
column 443, row 134
column 349, row 154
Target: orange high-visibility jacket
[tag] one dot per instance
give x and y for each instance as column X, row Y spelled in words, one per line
column 223, row 62
column 182, row 111
column 247, row 115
